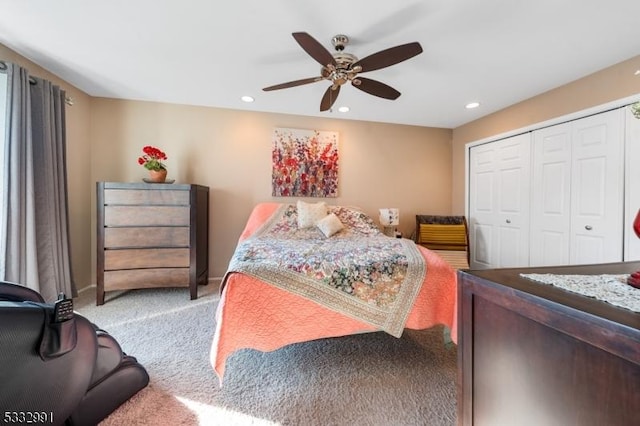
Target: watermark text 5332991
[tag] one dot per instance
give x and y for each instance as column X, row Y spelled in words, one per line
column 26, row 417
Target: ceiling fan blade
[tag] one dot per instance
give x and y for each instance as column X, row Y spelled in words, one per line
column 389, row 57
column 314, row 49
column 293, row 83
column 329, row 98
column 375, row 88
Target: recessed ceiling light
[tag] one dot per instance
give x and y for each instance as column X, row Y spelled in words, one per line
column 247, row 98
column 637, row 72
column 472, row 105
column 343, row 109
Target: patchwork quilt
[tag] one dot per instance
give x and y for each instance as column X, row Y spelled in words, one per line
column 358, row 272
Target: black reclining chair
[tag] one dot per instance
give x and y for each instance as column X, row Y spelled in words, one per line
column 56, row 367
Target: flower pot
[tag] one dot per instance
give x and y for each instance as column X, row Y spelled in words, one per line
column 157, row 176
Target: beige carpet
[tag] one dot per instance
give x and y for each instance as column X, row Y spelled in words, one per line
column 368, row 379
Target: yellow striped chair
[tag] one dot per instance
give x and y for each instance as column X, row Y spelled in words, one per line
column 446, row 235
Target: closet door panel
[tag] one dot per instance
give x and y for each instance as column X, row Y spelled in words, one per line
column 552, row 249
column 588, row 249
column 590, row 192
column 499, row 203
column 513, row 222
column 482, row 204
column 483, row 236
column 511, row 203
column 512, row 241
column 551, row 196
column 483, row 196
column 513, row 169
column 597, row 184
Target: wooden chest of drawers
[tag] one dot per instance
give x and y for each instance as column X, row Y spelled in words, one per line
column 151, row 235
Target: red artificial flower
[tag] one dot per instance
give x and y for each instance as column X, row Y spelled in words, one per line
column 152, row 158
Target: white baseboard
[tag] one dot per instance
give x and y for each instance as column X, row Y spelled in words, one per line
column 83, row 289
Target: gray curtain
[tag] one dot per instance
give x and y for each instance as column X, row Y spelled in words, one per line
column 37, row 252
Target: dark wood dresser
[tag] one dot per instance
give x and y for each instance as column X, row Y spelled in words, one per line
column 151, row 235
column 534, row 354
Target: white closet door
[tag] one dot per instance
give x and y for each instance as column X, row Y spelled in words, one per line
column 577, row 198
column 551, row 196
column 482, row 205
column 597, row 183
column 513, row 170
column 499, row 203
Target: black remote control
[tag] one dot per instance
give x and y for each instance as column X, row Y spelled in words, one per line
column 62, row 310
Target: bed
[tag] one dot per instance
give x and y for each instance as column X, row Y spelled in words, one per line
column 293, row 279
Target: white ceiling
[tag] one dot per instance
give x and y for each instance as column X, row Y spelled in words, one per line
column 207, row 52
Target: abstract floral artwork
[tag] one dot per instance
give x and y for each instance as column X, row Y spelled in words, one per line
column 305, row 163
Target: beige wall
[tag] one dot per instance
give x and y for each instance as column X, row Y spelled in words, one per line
column 381, row 165
column 78, row 162
column 417, row 169
column 610, row 84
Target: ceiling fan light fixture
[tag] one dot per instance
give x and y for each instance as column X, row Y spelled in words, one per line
column 344, row 109
column 247, row 98
column 339, row 42
column 472, row 105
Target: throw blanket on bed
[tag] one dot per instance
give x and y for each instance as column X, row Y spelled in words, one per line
column 358, row 272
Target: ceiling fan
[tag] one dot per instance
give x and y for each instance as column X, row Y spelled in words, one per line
column 342, row 67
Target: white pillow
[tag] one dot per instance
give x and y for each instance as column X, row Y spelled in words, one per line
column 310, row 213
column 330, row 225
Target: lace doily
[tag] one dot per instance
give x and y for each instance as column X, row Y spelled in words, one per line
column 612, row 289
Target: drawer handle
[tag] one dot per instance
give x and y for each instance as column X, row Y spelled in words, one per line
column 588, row 227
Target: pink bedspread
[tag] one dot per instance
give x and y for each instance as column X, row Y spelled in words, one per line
column 256, row 315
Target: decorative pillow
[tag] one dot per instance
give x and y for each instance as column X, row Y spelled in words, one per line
column 310, row 213
column 330, row 225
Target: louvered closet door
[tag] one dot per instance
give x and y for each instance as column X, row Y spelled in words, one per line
column 499, row 203
column 597, row 198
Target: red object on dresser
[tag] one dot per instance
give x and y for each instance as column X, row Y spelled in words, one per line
column 634, row 278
